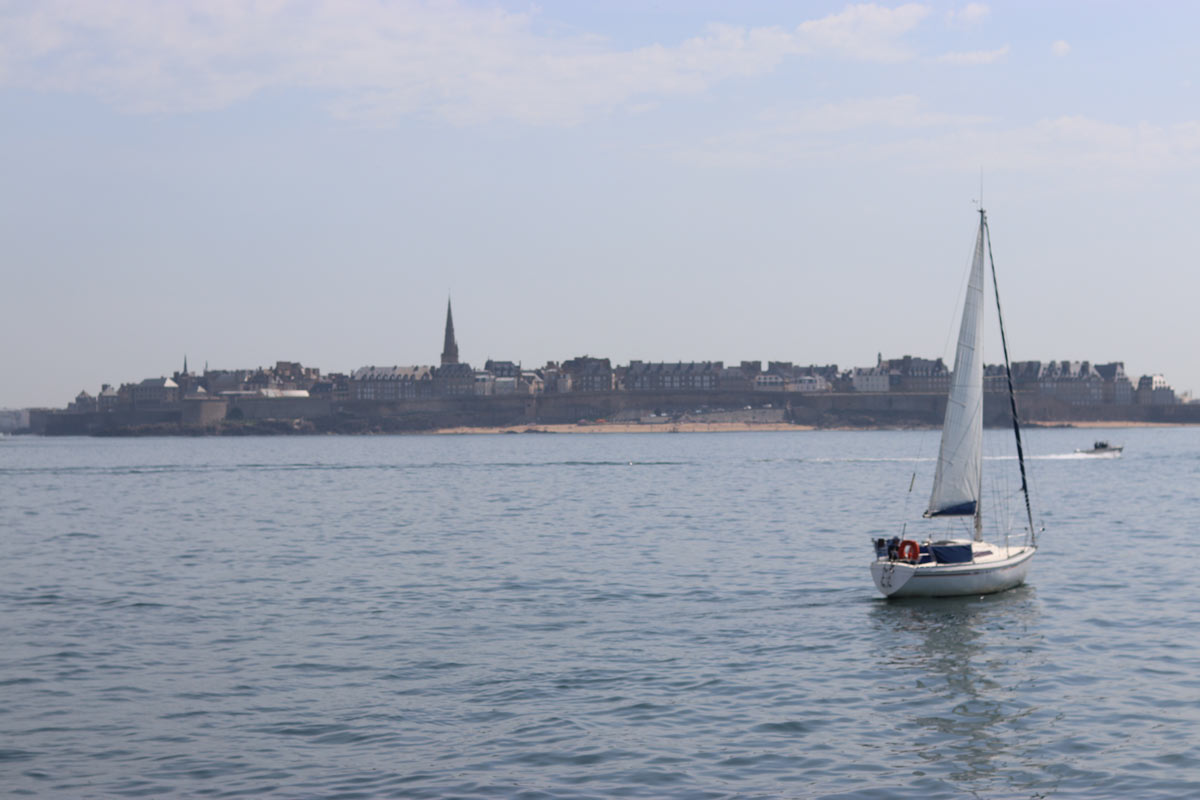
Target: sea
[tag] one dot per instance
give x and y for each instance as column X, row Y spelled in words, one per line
column 587, row 616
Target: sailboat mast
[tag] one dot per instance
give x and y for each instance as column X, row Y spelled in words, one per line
column 1012, row 395
column 979, row 487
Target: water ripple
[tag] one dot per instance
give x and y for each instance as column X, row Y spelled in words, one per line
column 581, row 617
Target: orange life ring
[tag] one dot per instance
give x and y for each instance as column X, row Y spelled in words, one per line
column 909, row 550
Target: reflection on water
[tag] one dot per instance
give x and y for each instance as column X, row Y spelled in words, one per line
column 955, row 669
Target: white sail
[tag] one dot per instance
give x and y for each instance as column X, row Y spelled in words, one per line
column 956, row 485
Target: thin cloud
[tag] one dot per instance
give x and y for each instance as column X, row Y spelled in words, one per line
column 975, row 57
column 1060, row 48
column 383, row 60
column 866, row 32
column 1083, row 141
column 899, row 130
column 970, row 15
column 901, row 111
column 851, row 131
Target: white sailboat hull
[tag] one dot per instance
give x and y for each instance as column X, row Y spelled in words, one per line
column 901, row 579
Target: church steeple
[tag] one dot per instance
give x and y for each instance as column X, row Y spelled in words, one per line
column 450, row 346
column 185, row 363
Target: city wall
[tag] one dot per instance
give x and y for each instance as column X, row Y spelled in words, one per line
column 821, row 409
column 58, row 423
column 818, row 409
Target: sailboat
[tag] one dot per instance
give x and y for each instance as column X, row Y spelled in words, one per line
column 956, row 564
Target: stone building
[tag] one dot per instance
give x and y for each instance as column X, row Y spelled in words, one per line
column 589, row 374
column 1153, row 390
column 870, row 379
column 812, row 378
column 769, row 382
column 646, row 376
column 1117, row 389
column 453, row 380
column 1072, row 382
column 83, row 403
column 222, row 381
column 917, row 375
column 502, row 369
column 154, row 393
column 741, row 377
column 485, row 382
column 106, row 401
column 390, row 383
column 554, row 380
column 334, row 387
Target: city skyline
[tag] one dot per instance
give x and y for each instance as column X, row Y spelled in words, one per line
column 309, row 181
column 1023, row 371
column 586, row 390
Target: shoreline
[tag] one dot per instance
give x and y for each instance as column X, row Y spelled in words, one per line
column 298, row 427
column 743, row 427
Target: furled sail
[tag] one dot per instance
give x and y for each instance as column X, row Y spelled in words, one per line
column 956, row 484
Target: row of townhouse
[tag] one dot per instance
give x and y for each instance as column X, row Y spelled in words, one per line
column 395, row 383
column 1083, row 383
column 779, row 376
column 585, row 374
column 285, row 379
column 1075, row 383
column 1072, row 382
column 151, row 393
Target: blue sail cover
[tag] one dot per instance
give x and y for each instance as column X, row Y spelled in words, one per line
column 951, row 553
column 961, row 510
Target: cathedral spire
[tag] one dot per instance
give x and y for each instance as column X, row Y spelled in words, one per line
column 185, row 363
column 450, row 346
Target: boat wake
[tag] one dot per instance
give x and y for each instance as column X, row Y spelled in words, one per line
column 1081, row 456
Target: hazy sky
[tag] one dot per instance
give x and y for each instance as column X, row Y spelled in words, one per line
column 246, row 182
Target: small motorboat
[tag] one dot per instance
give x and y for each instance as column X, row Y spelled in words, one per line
column 1101, row 448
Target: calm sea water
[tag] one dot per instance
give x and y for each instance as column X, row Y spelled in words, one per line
column 583, row 616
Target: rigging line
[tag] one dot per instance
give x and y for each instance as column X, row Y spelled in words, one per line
column 1012, row 395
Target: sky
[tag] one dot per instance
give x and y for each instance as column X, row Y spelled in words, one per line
column 247, row 181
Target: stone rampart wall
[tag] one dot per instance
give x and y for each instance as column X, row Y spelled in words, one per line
column 823, row 409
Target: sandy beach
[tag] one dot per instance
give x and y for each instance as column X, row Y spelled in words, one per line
column 635, row 427
column 1105, row 424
